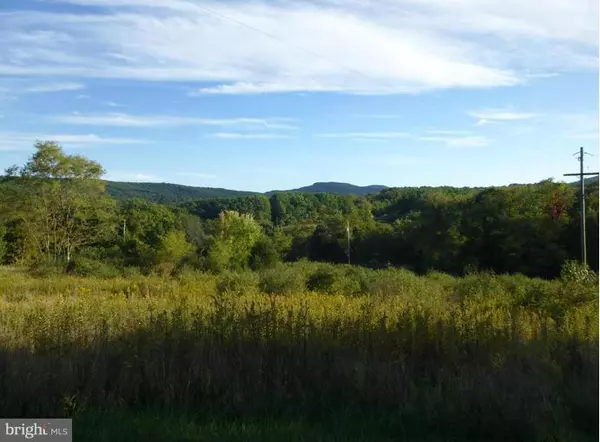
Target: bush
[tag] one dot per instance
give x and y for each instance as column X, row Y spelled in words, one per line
column 237, row 282
column 577, row 273
column 44, row 268
column 282, row 280
column 393, row 282
column 81, row 266
column 331, row 279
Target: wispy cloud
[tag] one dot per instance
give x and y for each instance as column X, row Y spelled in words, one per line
column 54, row 87
column 366, row 135
column 25, row 141
column 449, row 132
column 378, row 116
column 320, row 46
column 245, row 136
column 487, row 116
column 449, row 137
column 112, row 104
column 468, row 141
column 127, row 120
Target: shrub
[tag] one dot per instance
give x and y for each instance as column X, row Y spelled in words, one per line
column 331, row 279
column 392, row 282
column 282, row 279
column 577, row 273
column 323, row 280
column 81, row 266
column 44, row 268
column 237, row 282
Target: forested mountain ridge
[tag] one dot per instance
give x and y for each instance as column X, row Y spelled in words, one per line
column 338, row 188
column 167, row 193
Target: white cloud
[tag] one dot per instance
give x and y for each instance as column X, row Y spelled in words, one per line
column 82, row 97
column 127, row 120
column 378, row 116
column 116, row 175
column 487, row 116
column 366, row 135
column 25, row 141
column 240, row 136
column 54, row 87
column 448, row 132
column 468, row 141
column 350, row 46
column 112, row 104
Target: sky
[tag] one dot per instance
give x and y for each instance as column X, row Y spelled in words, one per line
column 263, row 95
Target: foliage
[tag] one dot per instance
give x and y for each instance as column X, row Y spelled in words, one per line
column 3, row 244
column 60, row 200
column 574, row 272
column 165, row 193
column 173, row 247
column 237, row 282
column 264, row 253
column 56, row 205
column 233, row 240
column 82, row 266
column 256, row 206
column 440, row 358
column 282, row 280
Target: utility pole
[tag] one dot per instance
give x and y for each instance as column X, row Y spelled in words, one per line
column 348, row 237
column 124, row 227
column 581, row 175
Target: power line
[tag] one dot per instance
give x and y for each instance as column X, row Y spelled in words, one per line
column 280, row 40
column 582, row 174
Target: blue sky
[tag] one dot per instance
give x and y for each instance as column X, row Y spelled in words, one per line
column 279, row 94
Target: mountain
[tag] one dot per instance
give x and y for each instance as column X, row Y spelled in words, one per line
column 339, row 188
column 167, row 193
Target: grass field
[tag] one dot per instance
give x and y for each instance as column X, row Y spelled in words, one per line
column 365, row 355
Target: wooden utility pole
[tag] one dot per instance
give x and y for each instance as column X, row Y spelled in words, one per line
column 348, row 237
column 581, row 175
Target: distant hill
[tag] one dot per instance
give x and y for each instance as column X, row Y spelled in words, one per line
column 339, row 188
column 167, row 193
column 590, row 180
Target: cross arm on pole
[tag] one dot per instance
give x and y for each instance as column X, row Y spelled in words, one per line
column 579, row 174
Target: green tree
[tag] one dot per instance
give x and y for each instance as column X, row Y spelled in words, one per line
column 264, row 254
column 234, row 237
column 61, row 201
column 172, row 249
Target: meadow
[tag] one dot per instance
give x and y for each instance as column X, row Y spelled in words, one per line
column 304, row 351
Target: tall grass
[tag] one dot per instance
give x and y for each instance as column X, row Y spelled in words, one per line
column 479, row 358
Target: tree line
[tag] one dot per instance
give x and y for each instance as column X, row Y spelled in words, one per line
column 55, row 211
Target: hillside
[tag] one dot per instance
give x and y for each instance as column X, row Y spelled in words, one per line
column 339, row 188
column 167, row 193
